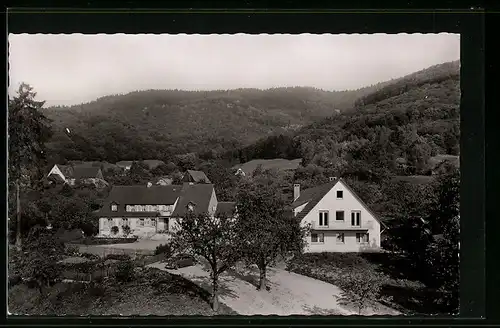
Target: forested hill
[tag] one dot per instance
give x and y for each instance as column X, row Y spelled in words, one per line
column 161, row 123
column 393, row 131
column 166, row 122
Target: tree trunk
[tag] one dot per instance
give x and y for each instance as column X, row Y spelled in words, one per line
column 262, row 277
column 18, row 217
column 215, row 293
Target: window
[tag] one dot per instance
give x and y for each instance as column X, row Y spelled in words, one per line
column 153, row 221
column 340, row 194
column 190, row 207
column 340, row 238
column 362, row 238
column 339, row 215
column 317, row 238
column 125, row 222
column 114, row 207
column 129, row 208
column 141, row 222
column 356, row 218
column 323, row 218
column 110, row 222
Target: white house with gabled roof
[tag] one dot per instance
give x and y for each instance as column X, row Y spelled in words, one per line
column 339, row 220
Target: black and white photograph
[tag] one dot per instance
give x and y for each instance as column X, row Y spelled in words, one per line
column 233, row 174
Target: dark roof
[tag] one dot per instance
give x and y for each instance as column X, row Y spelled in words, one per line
column 277, row 163
column 151, row 163
column 198, row 176
column 104, row 165
column 124, row 163
column 139, row 195
column 197, row 194
column 65, row 169
column 144, row 195
column 84, row 172
column 79, row 171
column 312, row 196
column 225, row 208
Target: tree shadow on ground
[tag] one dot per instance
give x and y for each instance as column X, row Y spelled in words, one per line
column 413, row 300
column 251, row 276
column 406, row 290
column 394, row 266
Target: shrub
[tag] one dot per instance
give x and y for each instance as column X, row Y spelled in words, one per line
column 108, row 241
column 125, row 271
column 42, row 252
column 90, row 256
column 119, row 257
column 360, row 288
column 71, row 250
column 126, row 230
column 114, row 230
column 164, row 249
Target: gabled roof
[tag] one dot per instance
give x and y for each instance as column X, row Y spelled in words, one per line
column 277, row 163
column 139, row 195
column 124, row 163
column 79, row 171
column 144, row 195
column 151, row 163
column 198, row 176
column 197, row 194
column 65, row 169
column 312, row 196
column 225, row 208
column 104, row 165
column 83, row 172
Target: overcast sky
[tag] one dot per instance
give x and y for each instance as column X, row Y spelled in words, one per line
column 76, row 68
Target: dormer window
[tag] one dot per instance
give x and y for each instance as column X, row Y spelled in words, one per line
column 114, row 207
column 190, row 207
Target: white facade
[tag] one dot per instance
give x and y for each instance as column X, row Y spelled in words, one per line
column 143, row 226
column 354, row 229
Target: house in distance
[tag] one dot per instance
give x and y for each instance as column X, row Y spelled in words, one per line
column 195, row 177
column 280, row 164
column 71, row 174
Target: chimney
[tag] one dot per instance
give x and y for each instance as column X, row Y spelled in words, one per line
column 333, row 179
column 296, row 191
column 150, row 184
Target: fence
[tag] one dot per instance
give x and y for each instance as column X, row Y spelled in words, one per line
column 103, row 251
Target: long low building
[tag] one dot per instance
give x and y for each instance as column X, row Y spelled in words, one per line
column 151, row 209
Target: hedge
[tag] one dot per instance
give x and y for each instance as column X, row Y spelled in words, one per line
column 103, row 241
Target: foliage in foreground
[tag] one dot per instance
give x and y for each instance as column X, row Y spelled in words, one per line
column 267, row 230
column 41, row 252
column 213, row 239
